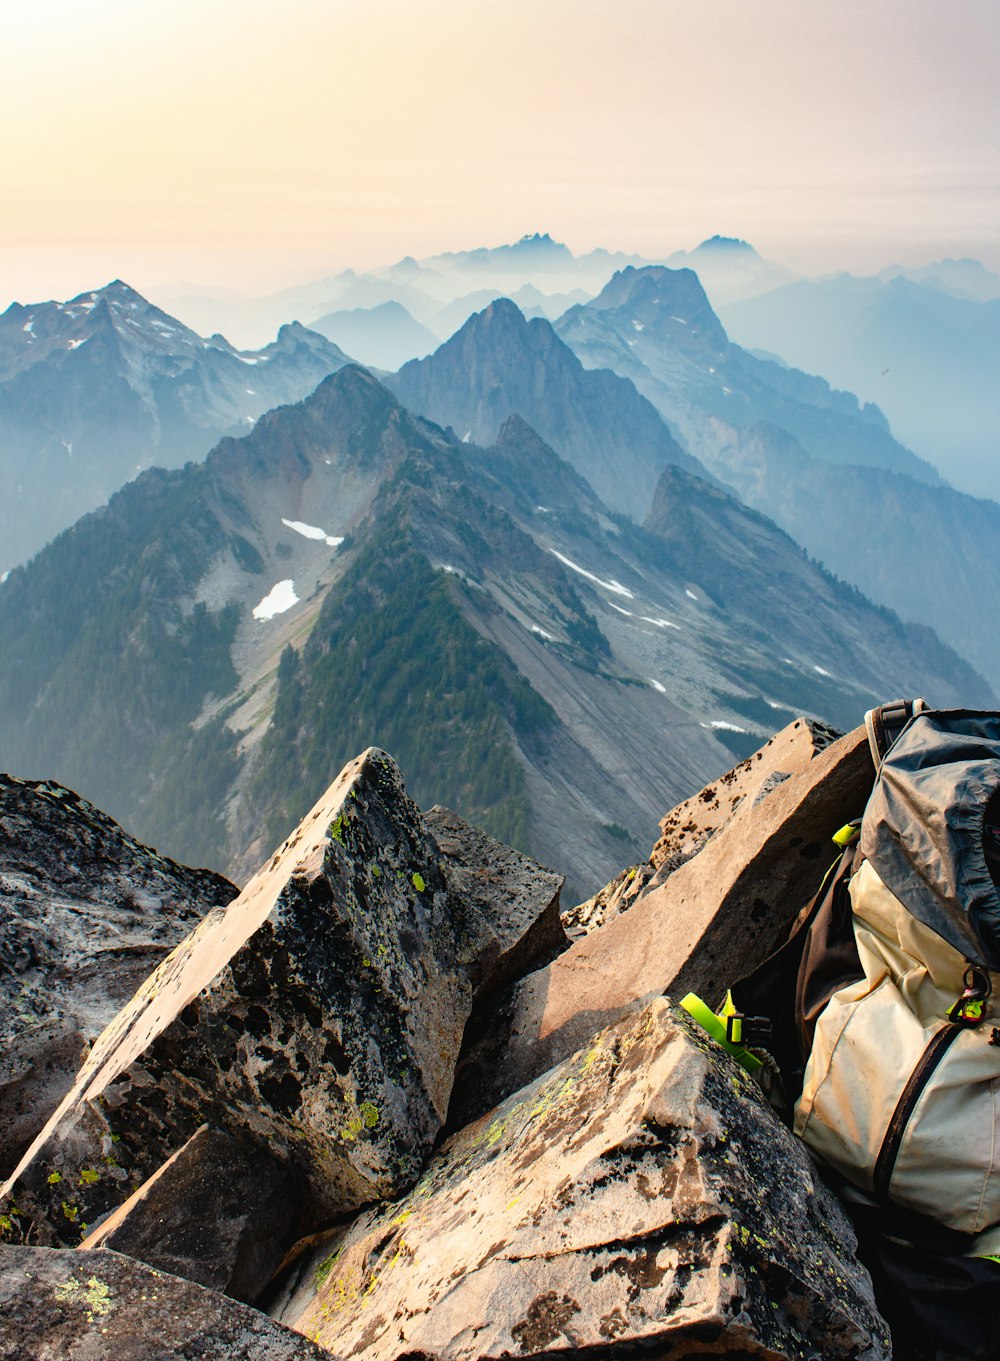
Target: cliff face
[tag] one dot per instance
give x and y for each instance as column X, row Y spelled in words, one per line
column 271, row 1143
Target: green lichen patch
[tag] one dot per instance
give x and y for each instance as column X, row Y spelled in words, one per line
column 94, row 1295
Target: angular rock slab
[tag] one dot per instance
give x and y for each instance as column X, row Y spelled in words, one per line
column 686, row 829
column 86, row 913
column 715, row 917
column 320, row 1016
column 101, row 1306
column 215, row 1213
column 690, row 826
column 639, row 1199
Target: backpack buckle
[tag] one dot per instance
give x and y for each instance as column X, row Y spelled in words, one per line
column 968, row 1010
column 754, row 1031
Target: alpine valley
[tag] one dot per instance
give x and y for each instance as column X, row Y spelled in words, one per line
column 501, row 564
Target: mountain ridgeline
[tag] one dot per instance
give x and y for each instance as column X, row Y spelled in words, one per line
column 349, row 574
column 96, row 389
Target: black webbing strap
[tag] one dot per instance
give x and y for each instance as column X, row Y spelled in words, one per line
column 885, row 723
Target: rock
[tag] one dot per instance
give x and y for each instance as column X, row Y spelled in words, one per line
column 516, row 899
column 610, row 901
column 101, row 1306
column 689, row 827
column 86, row 913
column 715, row 917
column 214, row 1213
column 640, row 1199
column 318, row 1019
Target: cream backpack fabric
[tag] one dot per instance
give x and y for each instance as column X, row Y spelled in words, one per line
column 901, row 1093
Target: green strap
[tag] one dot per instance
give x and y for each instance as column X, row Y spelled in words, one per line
column 716, row 1027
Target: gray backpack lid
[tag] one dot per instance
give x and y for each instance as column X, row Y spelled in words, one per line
column 923, row 827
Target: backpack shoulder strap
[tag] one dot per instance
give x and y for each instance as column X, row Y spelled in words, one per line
column 885, row 723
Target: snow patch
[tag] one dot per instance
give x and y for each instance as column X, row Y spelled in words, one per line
column 638, row 325
column 820, row 672
column 721, row 723
column 75, row 344
column 543, row 510
column 660, row 689
column 627, row 613
column 614, row 586
column 279, row 598
column 467, row 436
column 660, row 623
column 29, row 326
column 690, row 595
column 542, row 634
column 4, row 576
column 313, row 532
column 244, row 360
column 250, row 392
column 680, row 319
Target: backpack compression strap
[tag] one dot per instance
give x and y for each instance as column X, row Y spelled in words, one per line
column 885, row 723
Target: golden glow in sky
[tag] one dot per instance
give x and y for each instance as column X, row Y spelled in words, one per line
column 252, row 144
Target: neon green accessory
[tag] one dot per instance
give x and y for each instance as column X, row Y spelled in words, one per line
column 715, row 1026
column 847, row 834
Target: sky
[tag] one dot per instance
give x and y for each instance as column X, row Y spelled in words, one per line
column 250, row 145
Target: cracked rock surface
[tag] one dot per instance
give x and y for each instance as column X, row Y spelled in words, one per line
column 101, row 1306
column 640, row 1198
column 86, row 913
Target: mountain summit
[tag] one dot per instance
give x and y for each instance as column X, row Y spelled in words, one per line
column 97, row 388
column 500, row 364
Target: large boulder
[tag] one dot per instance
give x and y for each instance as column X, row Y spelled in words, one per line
column 86, row 913
column 735, row 887
column 640, row 1199
column 102, row 1306
column 317, row 1021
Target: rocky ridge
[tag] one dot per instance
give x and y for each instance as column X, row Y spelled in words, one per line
column 275, row 1093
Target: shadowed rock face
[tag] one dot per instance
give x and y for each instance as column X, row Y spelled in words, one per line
column 86, row 913
column 641, row 1196
column 101, row 1306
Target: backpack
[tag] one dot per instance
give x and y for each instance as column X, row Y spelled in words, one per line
column 901, row 1089
column 881, row 1017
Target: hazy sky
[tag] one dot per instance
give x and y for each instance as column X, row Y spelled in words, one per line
column 253, row 144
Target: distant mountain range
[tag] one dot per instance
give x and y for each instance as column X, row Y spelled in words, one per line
column 825, row 468
column 96, row 389
column 201, row 655
column 928, row 354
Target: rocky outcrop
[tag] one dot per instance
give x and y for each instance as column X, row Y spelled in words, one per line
column 101, row 1306
column 86, row 914
column 260, row 1125
column 316, row 1022
column 715, row 917
column 639, row 1196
